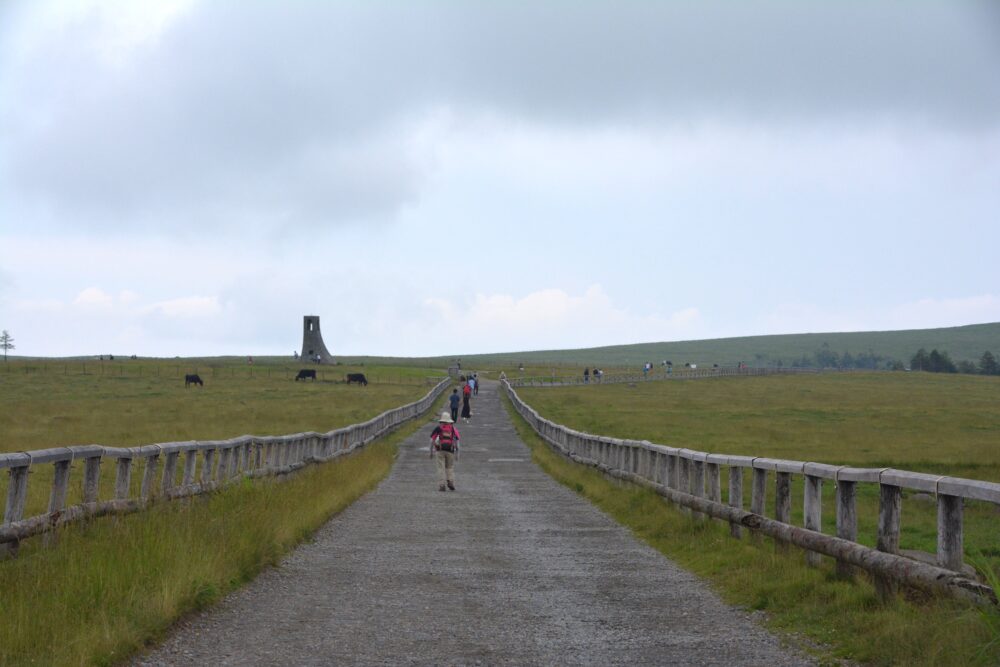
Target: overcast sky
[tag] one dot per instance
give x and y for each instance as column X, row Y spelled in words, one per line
column 181, row 177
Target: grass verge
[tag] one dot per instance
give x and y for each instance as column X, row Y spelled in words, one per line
column 842, row 619
column 112, row 586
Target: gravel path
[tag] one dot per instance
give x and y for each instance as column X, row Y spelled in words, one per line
column 513, row 569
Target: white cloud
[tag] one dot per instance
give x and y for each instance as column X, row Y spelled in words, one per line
column 94, row 298
column 554, row 318
column 186, row 307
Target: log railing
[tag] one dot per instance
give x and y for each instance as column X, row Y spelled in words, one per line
column 170, row 470
column 692, row 479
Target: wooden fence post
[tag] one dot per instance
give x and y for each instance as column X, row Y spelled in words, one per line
column 782, row 502
column 890, row 498
column 190, row 461
column 812, row 511
column 60, row 486
column 697, row 469
column 735, row 498
column 207, row 465
column 684, row 478
column 758, row 493
column 949, row 541
column 91, row 478
column 169, row 472
column 714, row 475
column 123, row 478
column 149, row 476
column 17, row 493
column 847, row 520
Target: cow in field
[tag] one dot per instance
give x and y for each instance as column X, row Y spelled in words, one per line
column 306, row 374
column 357, row 377
column 192, row 378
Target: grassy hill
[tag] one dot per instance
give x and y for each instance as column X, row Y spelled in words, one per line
column 962, row 343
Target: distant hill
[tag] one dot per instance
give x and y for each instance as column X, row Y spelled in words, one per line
column 962, row 343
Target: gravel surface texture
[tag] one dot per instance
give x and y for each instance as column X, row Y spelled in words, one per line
column 510, row 569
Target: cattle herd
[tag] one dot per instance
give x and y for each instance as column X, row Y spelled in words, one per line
column 303, row 374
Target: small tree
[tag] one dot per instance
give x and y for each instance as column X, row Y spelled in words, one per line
column 988, row 364
column 6, row 342
column 919, row 362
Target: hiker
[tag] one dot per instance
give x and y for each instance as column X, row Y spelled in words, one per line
column 453, row 401
column 444, row 444
column 586, row 376
column 466, row 408
column 475, row 386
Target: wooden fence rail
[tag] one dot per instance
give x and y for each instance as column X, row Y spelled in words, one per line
column 692, row 479
column 222, row 462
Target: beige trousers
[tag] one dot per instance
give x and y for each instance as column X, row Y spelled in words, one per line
column 446, row 466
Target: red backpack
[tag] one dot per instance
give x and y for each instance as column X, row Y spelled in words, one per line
column 446, row 437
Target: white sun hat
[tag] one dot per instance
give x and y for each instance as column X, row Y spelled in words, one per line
column 446, row 418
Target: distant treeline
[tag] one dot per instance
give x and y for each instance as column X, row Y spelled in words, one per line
column 935, row 361
column 940, row 362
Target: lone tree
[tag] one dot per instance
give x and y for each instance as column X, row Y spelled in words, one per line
column 988, row 364
column 6, row 342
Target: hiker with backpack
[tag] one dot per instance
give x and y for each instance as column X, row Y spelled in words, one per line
column 444, row 445
column 466, row 407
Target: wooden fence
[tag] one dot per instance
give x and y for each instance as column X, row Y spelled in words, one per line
column 692, row 479
column 222, row 462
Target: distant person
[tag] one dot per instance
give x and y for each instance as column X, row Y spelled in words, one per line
column 503, row 376
column 466, row 406
column 475, row 387
column 586, row 376
column 444, row 446
column 453, row 401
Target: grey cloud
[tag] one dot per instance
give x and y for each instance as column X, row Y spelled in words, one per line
column 289, row 114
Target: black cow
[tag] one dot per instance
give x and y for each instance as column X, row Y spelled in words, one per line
column 193, row 379
column 306, row 373
column 357, row 377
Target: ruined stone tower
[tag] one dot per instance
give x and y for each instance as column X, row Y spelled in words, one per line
column 312, row 341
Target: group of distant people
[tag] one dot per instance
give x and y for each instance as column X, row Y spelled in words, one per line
column 597, row 374
column 445, row 438
column 469, row 389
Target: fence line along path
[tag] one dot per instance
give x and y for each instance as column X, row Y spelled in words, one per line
column 512, row 568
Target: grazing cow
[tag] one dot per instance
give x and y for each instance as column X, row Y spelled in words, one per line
column 306, row 373
column 357, row 377
column 193, row 379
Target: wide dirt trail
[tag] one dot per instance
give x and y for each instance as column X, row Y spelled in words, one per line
column 512, row 568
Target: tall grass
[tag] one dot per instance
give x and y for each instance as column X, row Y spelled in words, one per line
column 111, row 586
column 841, row 619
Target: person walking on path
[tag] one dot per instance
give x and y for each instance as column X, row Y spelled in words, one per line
column 453, row 402
column 466, row 408
column 475, row 384
column 444, row 445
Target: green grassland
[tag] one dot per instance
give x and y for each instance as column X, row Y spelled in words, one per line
column 127, row 403
column 933, row 423
column 962, row 343
column 928, row 422
column 914, row 421
column 111, row 585
column 54, row 404
column 838, row 619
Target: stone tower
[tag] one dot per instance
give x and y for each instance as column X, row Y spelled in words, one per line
column 312, row 341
